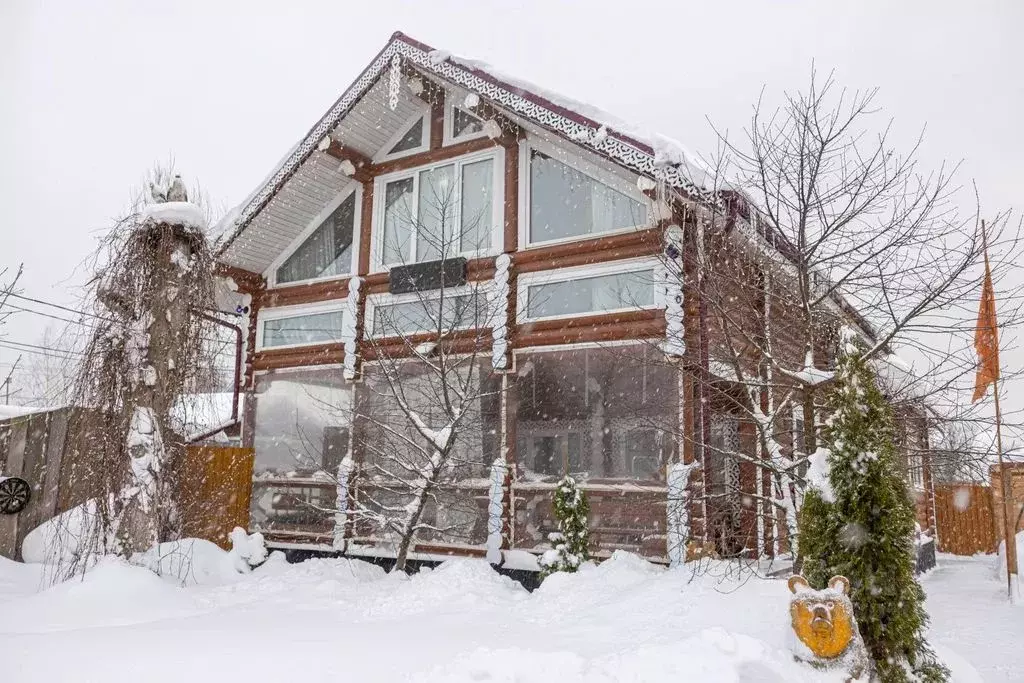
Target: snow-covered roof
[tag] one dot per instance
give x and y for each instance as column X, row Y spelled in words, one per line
column 8, row 412
column 641, row 151
column 193, row 413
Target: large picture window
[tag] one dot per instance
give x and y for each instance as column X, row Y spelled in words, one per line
column 595, row 413
column 327, row 251
column 282, row 329
column 565, row 203
column 302, row 421
column 439, row 212
column 393, row 450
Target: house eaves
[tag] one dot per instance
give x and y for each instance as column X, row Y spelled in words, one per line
column 655, row 156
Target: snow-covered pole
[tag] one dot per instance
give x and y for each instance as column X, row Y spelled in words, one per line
column 344, row 477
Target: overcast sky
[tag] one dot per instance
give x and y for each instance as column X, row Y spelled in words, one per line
column 93, row 93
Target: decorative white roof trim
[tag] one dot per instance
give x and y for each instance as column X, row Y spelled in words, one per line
column 439, row 64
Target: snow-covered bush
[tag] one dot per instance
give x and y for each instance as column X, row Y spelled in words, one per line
column 570, row 543
column 195, row 561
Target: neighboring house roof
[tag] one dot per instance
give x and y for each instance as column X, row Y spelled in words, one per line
column 646, row 153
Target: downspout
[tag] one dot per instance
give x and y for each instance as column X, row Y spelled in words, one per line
column 233, row 421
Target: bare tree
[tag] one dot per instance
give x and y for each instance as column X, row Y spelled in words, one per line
column 6, row 289
column 146, row 351
column 823, row 229
column 425, row 415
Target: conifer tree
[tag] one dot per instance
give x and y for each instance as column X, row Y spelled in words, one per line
column 570, row 542
column 858, row 521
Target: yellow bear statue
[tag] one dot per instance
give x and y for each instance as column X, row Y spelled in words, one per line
column 825, row 628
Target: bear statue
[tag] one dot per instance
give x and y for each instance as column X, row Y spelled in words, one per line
column 825, row 627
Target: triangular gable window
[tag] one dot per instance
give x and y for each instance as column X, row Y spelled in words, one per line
column 411, row 140
column 328, row 251
column 464, row 123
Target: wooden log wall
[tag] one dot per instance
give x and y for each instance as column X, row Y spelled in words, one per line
column 730, row 301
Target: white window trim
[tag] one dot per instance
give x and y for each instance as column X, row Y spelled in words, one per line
column 449, row 124
column 497, row 197
column 544, row 277
column 350, row 188
column 578, row 163
column 386, row 299
column 385, row 151
column 281, row 312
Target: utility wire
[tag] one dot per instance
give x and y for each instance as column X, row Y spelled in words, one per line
column 63, row 308
column 91, row 326
column 14, row 344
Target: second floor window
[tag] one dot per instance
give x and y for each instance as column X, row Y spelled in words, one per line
column 301, row 328
column 566, row 203
column 589, row 294
column 438, row 212
column 414, row 314
column 327, row 251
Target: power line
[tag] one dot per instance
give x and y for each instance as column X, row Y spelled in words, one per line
column 63, row 308
column 45, row 315
column 30, row 347
column 90, row 326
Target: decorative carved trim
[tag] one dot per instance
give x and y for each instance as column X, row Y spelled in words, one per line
column 531, row 107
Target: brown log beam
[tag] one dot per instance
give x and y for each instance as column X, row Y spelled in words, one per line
column 598, row 250
column 359, row 161
column 316, row 354
column 327, row 290
column 247, row 281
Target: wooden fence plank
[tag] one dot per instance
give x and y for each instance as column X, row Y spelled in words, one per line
column 14, row 461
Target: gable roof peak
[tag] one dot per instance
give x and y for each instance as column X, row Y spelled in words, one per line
column 647, row 154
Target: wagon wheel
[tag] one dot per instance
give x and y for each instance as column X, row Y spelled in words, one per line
column 14, row 495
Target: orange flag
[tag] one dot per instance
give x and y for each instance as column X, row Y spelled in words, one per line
column 986, row 339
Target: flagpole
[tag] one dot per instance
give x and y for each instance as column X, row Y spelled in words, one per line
column 1008, row 536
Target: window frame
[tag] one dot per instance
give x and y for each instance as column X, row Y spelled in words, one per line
column 449, row 137
column 385, row 153
column 554, row 432
column 373, row 301
column 294, row 311
column 350, row 188
column 568, row 274
column 380, row 183
column 612, row 178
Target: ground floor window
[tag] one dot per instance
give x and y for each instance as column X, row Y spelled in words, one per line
column 393, row 451
column 395, row 391
column 596, row 413
column 302, row 421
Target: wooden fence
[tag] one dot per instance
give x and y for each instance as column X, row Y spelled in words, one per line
column 216, row 485
column 31, row 447
column 43, row 448
column 965, row 520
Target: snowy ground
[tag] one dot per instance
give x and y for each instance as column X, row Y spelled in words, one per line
column 339, row 620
